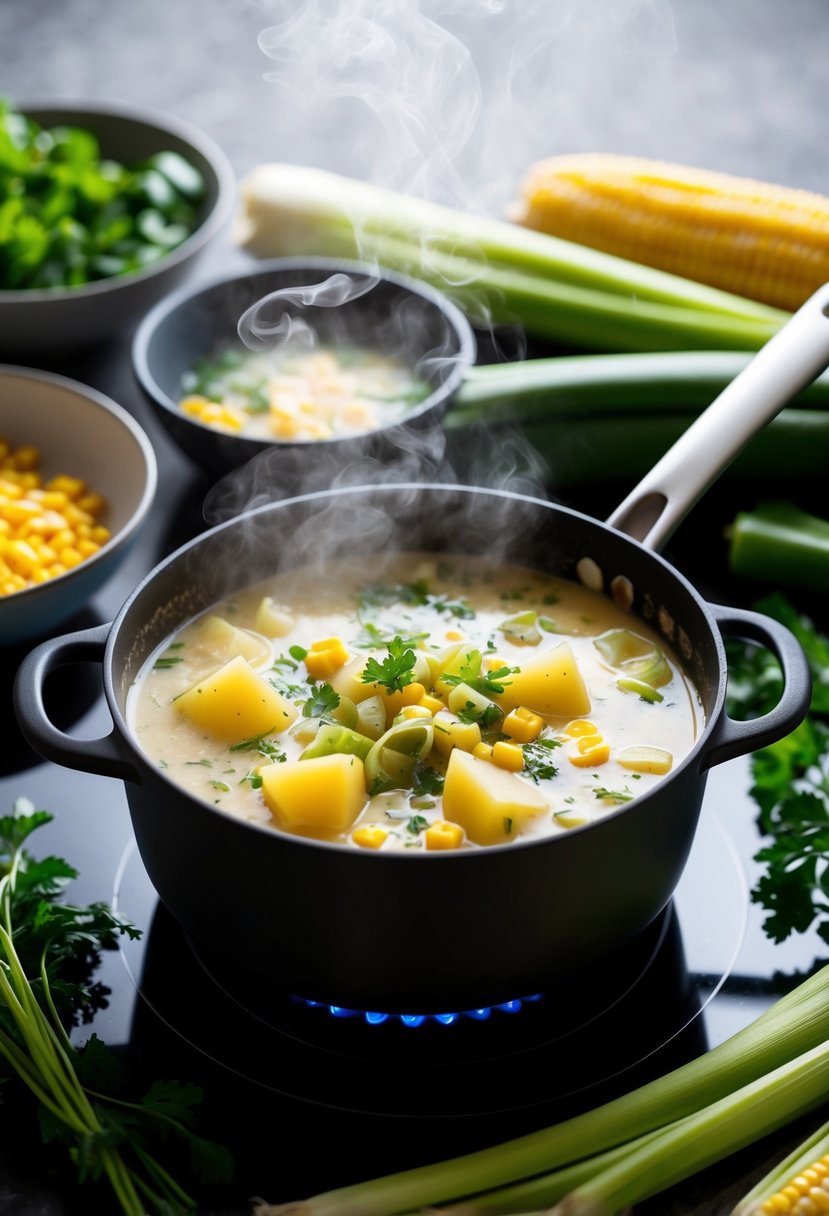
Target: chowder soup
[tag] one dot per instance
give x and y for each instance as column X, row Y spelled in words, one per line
column 454, row 704
column 300, row 395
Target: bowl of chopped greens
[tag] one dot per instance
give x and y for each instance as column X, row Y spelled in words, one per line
column 77, row 480
column 104, row 209
column 311, row 364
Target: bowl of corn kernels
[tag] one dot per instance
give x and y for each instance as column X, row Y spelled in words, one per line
column 77, row 478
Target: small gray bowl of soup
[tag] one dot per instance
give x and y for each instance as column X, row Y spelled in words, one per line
column 343, row 362
column 422, row 704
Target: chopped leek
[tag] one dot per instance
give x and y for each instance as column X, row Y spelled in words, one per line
column 634, row 656
column 498, row 272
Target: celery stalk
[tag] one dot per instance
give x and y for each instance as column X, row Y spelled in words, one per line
column 498, row 272
column 739, row 1119
column 796, row 1024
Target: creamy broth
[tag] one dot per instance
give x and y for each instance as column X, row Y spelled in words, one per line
column 516, row 705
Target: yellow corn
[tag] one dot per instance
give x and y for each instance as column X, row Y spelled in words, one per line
column 591, row 750
column 767, row 242
column 579, row 727
column 508, row 756
column 443, row 835
column 523, row 725
column 325, row 657
column 806, row 1194
column 482, row 751
column 45, row 528
column 369, row 837
column 433, row 704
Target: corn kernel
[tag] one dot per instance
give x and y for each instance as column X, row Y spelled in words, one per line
column 85, row 547
column 72, row 487
column 579, row 727
column 26, row 458
column 523, row 725
column 369, row 837
column 21, row 557
column 100, row 534
column 508, row 756
column 455, row 635
column 414, row 711
column 598, row 753
column 433, row 704
column 571, row 819
column 483, row 751
column 443, row 835
column 92, row 503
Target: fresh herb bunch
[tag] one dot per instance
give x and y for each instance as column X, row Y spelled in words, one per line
column 791, row 780
column 68, row 216
column 48, row 950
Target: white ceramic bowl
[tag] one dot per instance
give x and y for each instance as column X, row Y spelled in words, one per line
column 38, row 321
column 79, row 432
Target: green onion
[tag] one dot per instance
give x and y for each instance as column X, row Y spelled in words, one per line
column 780, row 544
column 795, row 1026
column 498, row 272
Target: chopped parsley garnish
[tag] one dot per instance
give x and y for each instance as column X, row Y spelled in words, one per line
column 382, row 785
column 426, row 781
column 203, row 763
column 259, row 743
column 395, row 671
column 279, row 679
column 508, row 826
column 459, row 608
column 490, row 684
column 322, row 701
column 371, row 637
column 537, row 759
column 167, row 660
column 613, row 795
column 416, row 824
column 221, row 785
column 297, row 652
column 486, row 717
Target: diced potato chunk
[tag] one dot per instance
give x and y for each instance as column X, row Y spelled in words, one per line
column 236, row 703
column 549, row 683
column 224, row 641
column 646, row 759
column 451, row 733
column 490, row 804
column 347, row 681
column 273, row 620
column 319, row 797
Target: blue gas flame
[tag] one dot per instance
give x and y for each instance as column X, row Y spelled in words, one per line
column 372, row 1018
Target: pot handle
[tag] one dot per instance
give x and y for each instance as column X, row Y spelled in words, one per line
column 102, row 756
column 786, row 364
column 731, row 738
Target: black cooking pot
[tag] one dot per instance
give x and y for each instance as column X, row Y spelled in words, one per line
column 393, row 931
column 397, row 931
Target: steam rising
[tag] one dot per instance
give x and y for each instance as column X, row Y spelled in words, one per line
column 449, row 100
column 259, row 332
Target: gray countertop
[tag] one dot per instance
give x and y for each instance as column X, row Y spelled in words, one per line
column 456, row 98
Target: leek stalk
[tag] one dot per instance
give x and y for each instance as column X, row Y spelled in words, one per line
column 498, row 272
column 780, row 544
column 794, row 1026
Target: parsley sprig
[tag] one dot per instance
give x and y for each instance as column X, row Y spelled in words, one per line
column 490, row 683
column 395, row 671
column 791, row 781
column 48, row 950
column 538, row 762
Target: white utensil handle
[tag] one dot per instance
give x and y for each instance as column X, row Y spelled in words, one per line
column 788, row 362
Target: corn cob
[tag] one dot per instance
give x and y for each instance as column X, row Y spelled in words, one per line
column 766, row 242
column 799, row 1186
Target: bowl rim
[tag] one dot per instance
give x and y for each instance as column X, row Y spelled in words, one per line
column 145, row 447
column 215, row 219
column 160, row 313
